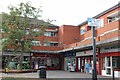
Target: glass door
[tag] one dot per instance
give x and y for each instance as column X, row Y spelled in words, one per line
column 108, row 68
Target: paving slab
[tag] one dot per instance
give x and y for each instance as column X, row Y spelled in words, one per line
column 57, row 75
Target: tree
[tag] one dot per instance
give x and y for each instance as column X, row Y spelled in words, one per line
column 18, row 27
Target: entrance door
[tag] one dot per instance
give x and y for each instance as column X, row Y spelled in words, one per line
column 108, row 68
column 83, row 65
column 42, row 61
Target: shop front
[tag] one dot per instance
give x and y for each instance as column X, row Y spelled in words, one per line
column 9, row 57
column 51, row 61
column 70, row 61
column 82, row 58
column 110, row 57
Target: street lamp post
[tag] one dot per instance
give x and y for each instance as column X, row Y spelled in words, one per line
column 94, row 73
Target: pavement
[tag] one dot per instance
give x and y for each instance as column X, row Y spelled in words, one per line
column 63, row 75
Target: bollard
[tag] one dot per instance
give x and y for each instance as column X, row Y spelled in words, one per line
column 42, row 72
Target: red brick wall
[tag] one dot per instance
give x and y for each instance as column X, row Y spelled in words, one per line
column 68, row 34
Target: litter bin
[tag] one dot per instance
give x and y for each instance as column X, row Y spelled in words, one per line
column 42, row 72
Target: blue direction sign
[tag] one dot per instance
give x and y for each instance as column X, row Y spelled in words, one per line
column 93, row 22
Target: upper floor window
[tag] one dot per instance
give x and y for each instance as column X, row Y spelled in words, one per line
column 46, row 44
column 1, row 30
column 54, row 34
column 36, row 30
column 88, row 28
column 113, row 17
column 27, row 31
column 51, row 44
column 36, row 43
column 82, row 30
column 101, row 23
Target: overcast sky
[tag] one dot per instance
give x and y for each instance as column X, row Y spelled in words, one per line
column 68, row 12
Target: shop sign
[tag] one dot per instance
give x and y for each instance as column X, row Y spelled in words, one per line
column 69, row 54
column 110, row 49
column 85, row 53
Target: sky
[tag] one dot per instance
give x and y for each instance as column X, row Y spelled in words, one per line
column 65, row 12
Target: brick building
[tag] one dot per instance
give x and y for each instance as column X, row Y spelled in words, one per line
column 73, row 44
column 107, row 43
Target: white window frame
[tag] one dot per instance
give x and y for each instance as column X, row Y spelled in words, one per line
column 82, row 30
column 35, row 43
column 27, row 31
column 36, row 30
column 114, row 17
column 53, row 34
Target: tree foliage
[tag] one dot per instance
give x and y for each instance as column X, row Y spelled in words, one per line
column 18, row 27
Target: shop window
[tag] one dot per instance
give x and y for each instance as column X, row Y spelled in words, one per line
column 108, row 61
column 103, row 64
column 52, row 62
column 108, row 71
column 115, row 62
column 107, row 48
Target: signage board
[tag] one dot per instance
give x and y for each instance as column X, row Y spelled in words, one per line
column 94, row 22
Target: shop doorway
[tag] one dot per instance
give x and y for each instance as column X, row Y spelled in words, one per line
column 42, row 61
column 108, row 68
column 70, row 63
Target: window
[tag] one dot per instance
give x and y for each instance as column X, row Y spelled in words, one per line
column 36, row 30
column 109, row 20
column 88, row 28
column 82, row 30
column 54, row 34
column 36, row 43
column 101, row 23
column 1, row 30
column 27, row 31
column 113, row 17
column 108, row 71
column 50, row 44
column 47, row 34
column 108, row 62
column 52, row 62
column 103, row 64
column 115, row 62
column 53, row 44
column 46, row 44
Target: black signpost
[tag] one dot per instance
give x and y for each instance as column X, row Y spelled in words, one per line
column 94, row 23
column 94, row 73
